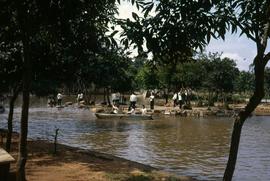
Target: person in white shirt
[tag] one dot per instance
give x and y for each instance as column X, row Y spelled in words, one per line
column 180, row 100
column 133, row 100
column 151, row 99
column 80, row 97
column 116, row 98
column 59, row 99
column 175, row 99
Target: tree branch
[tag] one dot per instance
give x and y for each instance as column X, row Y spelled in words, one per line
column 266, row 33
column 266, row 58
column 244, row 30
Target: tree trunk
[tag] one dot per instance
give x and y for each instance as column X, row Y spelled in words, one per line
column 10, row 118
column 242, row 116
column 24, row 19
column 22, row 157
column 104, row 95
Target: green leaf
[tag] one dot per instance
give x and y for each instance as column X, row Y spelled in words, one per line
column 148, row 9
column 135, row 16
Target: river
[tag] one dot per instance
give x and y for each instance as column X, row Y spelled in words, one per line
column 197, row 147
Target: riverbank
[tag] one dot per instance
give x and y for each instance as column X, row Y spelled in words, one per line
column 168, row 110
column 70, row 164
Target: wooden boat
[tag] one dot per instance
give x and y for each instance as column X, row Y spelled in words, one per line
column 123, row 116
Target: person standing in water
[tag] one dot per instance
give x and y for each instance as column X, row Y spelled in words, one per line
column 133, row 100
column 59, row 99
column 152, row 101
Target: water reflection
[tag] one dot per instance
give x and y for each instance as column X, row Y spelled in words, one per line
column 190, row 146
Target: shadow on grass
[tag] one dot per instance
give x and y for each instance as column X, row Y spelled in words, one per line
column 140, row 178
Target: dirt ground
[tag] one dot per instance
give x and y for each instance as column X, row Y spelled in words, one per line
column 72, row 164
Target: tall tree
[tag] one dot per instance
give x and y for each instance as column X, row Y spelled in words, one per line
column 252, row 18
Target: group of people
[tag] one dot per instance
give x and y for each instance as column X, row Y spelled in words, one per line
column 132, row 106
column 181, row 97
column 58, row 102
column 52, row 102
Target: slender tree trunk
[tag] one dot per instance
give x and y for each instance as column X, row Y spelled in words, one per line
column 22, row 157
column 104, row 95
column 10, row 118
column 24, row 20
column 241, row 118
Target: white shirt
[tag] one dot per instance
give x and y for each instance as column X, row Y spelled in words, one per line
column 174, row 96
column 179, row 96
column 133, row 98
column 144, row 110
column 59, row 96
column 152, row 97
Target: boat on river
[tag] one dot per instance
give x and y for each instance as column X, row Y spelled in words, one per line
column 124, row 116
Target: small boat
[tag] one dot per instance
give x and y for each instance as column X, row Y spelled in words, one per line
column 123, row 116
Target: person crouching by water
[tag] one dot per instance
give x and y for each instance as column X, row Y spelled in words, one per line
column 144, row 110
column 152, row 101
column 115, row 109
column 131, row 111
column 133, row 100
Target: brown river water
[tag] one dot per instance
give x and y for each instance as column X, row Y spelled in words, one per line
column 197, row 147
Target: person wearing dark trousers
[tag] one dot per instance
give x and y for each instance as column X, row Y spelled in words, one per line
column 152, row 101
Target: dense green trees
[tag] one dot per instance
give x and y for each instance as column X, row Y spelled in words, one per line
column 206, row 72
column 245, row 82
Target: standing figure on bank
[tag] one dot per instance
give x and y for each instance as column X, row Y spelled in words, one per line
column 59, row 99
column 175, row 99
column 180, row 100
column 80, row 98
column 133, row 100
column 116, row 98
column 152, row 100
